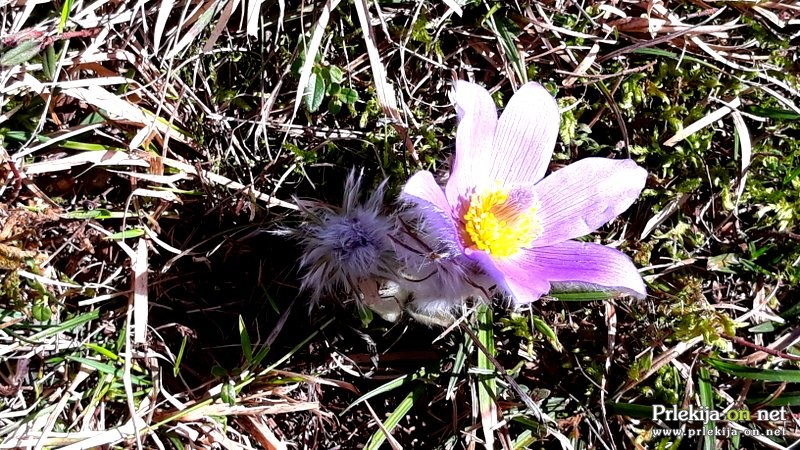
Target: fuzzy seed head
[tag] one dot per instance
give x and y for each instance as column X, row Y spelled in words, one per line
column 344, row 246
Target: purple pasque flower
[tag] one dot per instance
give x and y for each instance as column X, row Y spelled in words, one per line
column 515, row 224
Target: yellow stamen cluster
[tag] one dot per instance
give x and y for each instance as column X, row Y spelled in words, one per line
column 498, row 228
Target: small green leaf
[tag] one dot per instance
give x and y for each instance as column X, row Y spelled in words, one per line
column 41, row 311
column 219, row 372
column 67, row 325
column 722, row 263
column 334, row 105
column 347, row 96
column 458, row 365
column 271, row 302
column 507, row 33
column 315, row 92
column 487, row 381
column 676, row 56
column 640, row 366
column 109, row 369
column 333, row 89
column 176, row 442
column 525, row 440
column 766, row 327
column 85, row 146
column 20, row 54
column 228, row 393
column 548, row 333
column 785, row 399
column 335, row 74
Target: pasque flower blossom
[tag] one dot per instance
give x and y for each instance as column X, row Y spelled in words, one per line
column 502, row 214
column 361, row 251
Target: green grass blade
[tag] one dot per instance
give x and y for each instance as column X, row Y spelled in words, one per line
column 772, row 113
column 395, row 417
column 49, row 62
column 244, row 338
column 97, row 214
column 582, row 296
column 487, row 381
column 297, row 347
column 67, row 325
column 524, row 440
column 630, row 410
column 102, row 351
column 706, row 392
column 65, row 10
column 108, row 369
column 502, row 29
column 674, row 56
column 127, row 234
column 387, row 387
column 785, row 399
column 258, row 357
column 458, row 365
column 751, row 373
column 177, row 368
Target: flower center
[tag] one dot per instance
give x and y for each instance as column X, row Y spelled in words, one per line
column 498, row 226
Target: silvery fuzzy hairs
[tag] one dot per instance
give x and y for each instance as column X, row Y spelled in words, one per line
column 388, row 261
column 435, row 275
column 345, row 246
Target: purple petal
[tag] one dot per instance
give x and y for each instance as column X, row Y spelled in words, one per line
column 525, row 137
column 512, row 277
column 576, row 263
column 423, row 191
column 585, row 195
column 524, row 291
column 422, row 186
column 477, row 117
